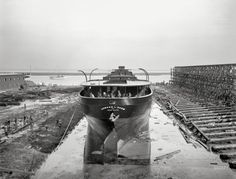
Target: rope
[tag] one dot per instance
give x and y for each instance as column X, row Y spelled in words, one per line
column 72, row 116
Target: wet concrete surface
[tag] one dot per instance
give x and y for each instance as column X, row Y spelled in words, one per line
column 67, row 160
column 171, row 157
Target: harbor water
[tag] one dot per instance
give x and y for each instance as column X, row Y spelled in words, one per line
column 77, row 80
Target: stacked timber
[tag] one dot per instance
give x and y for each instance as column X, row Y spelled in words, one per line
column 214, row 125
column 212, row 82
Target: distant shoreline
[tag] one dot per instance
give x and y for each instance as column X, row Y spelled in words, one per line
column 80, row 74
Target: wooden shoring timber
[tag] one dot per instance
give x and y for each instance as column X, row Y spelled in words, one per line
column 199, row 114
column 218, row 107
column 178, row 95
column 196, row 110
column 167, row 155
column 214, row 121
column 212, row 117
column 181, row 116
column 173, row 98
column 222, row 147
column 224, row 115
column 221, row 134
column 190, row 107
column 181, row 103
column 193, row 119
column 232, row 111
column 228, row 155
column 221, row 111
column 198, row 129
column 184, row 102
column 177, row 112
column 211, row 125
column 207, row 130
column 232, row 164
column 222, row 140
column 178, row 102
column 203, row 117
column 229, row 113
column 208, row 121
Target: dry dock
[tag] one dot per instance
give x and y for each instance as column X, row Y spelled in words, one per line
column 192, row 132
column 171, row 156
column 204, row 99
column 213, row 125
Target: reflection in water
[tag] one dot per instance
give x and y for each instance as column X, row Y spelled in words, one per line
column 127, row 142
column 94, row 171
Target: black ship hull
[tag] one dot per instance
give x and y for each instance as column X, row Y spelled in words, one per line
column 106, row 139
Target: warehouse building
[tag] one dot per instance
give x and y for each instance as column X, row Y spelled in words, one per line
column 12, row 81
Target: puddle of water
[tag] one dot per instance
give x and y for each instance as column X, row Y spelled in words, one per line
column 185, row 161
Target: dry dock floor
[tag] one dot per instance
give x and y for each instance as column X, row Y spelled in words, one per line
column 171, row 157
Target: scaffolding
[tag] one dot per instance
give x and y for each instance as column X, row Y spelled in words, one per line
column 215, row 82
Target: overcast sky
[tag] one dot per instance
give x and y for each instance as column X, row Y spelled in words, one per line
column 152, row 34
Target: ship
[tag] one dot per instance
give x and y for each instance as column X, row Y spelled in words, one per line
column 57, row 77
column 117, row 108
